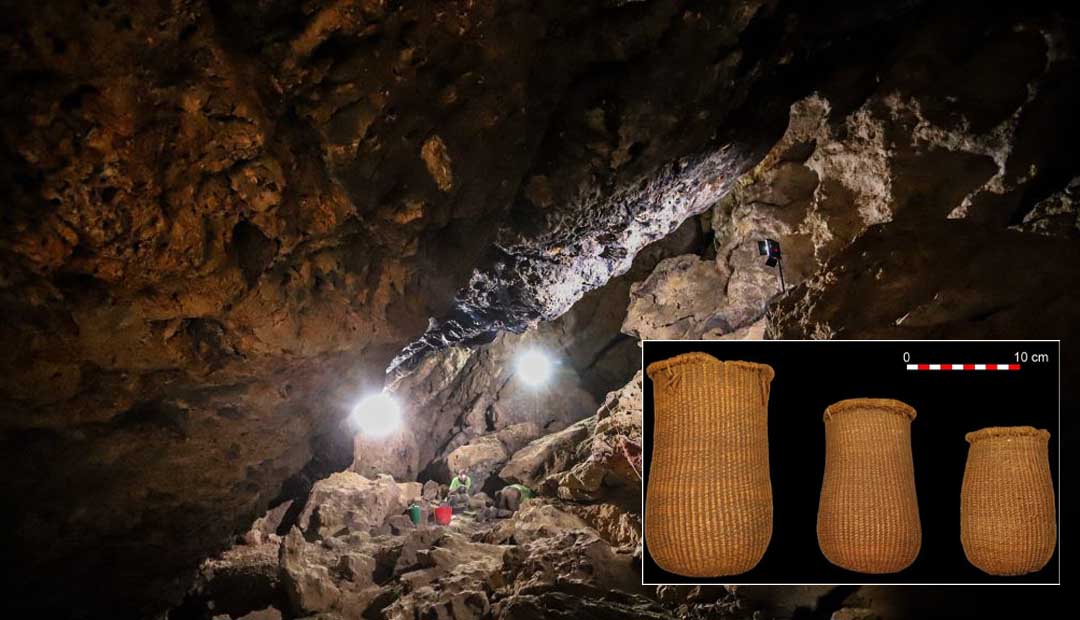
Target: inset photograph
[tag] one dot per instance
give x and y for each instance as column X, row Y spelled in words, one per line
column 851, row 462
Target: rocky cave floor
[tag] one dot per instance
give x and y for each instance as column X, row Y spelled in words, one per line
column 352, row 552
column 573, row 551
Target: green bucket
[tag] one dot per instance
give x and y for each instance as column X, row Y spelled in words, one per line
column 414, row 514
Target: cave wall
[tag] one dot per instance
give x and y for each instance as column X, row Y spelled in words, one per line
column 964, row 120
column 462, row 394
column 222, row 220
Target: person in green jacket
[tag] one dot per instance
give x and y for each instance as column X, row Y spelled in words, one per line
column 511, row 496
column 461, row 483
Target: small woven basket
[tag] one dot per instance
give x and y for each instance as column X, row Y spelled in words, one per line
column 708, row 508
column 868, row 517
column 1008, row 525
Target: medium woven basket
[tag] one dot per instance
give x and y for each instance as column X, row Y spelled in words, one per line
column 708, row 508
column 868, row 517
column 1008, row 524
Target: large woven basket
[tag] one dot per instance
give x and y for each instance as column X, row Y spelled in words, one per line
column 868, row 517
column 1008, row 524
column 708, row 508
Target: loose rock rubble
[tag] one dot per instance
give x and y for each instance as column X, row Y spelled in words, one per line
column 571, row 551
column 353, row 552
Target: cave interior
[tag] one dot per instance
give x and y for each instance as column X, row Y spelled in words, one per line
column 228, row 223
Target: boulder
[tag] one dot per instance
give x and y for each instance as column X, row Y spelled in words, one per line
column 456, row 580
column 535, row 520
column 624, row 401
column 616, row 524
column 609, row 461
column 243, row 578
column 266, row 527
column 575, row 556
column 399, row 524
column 596, row 457
column 347, row 501
column 679, row 300
column 551, row 453
column 517, row 436
column 412, row 554
column 321, row 580
column 430, row 490
column 307, row 582
column 480, row 457
column 357, row 567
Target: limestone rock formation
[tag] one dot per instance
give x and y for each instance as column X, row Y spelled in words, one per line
column 479, row 457
column 677, row 301
column 533, row 521
column 998, row 283
column 341, row 559
column 222, row 221
column 548, row 455
column 1057, row 215
column 577, row 223
column 596, row 458
column 554, row 556
column 455, row 397
column 244, row 579
column 914, row 148
column 347, row 501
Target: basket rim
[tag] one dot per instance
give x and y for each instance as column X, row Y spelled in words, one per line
column 684, row 359
column 1007, row 431
column 890, row 405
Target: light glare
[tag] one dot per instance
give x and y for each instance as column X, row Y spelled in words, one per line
column 534, row 368
column 377, row 415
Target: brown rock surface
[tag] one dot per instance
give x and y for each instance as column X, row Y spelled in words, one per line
column 533, row 521
column 456, row 396
column 927, row 135
column 222, row 220
column 998, row 284
column 597, row 457
column 347, row 502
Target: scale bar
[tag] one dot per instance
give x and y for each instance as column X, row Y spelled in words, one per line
column 963, row 366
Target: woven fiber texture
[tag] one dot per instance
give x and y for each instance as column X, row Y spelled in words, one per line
column 1008, row 524
column 868, row 517
column 708, row 508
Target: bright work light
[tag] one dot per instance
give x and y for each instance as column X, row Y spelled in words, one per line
column 533, row 367
column 377, row 415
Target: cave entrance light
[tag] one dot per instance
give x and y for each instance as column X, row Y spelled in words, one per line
column 534, row 367
column 377, row 415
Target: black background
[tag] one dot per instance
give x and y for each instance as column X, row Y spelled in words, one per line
column 811, row 375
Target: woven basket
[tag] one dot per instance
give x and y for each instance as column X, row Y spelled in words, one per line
column 708, row 508
column 868, row 517
column 1008, row 525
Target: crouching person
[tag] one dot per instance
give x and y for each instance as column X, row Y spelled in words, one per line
column 460, row 487
column 509, row 498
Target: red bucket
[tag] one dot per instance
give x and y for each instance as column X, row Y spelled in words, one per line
column 442, row 515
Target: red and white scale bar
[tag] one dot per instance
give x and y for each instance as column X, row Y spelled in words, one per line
column 963, row 366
